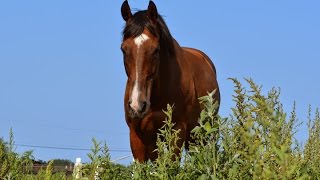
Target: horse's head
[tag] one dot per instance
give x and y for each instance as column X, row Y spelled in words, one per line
column 141, row 55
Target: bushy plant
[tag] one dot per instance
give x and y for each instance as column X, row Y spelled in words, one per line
column 311, row 158
column 202, row 159
column 167, row 165
column 13, row 165
column 101, row 166
column 259, row 137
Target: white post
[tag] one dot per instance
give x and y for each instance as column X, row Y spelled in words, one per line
column 77, row 174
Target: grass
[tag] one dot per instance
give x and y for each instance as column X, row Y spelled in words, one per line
column 255, row 142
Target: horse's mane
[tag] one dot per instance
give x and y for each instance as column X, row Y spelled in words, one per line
column 140, row 20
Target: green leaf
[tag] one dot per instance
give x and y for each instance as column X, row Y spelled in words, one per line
column 207, row 127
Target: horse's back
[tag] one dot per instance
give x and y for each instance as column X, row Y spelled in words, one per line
column 200, row 55
column 203, row 72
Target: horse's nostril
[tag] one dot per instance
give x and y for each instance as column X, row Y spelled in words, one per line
column 143, row 106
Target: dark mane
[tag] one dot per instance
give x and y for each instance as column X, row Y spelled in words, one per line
column 139, row 21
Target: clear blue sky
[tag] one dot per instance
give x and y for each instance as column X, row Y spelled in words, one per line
column 62, row 78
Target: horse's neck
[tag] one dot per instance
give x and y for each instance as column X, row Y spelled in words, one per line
column 168, row 75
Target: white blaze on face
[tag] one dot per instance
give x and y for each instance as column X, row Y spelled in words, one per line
column 136, row 90
column 140, row 40
column 135, row 97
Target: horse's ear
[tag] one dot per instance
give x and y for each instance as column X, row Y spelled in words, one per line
column 126, row 11
column 152, row 11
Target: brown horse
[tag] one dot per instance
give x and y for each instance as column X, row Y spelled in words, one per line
column 160, row 72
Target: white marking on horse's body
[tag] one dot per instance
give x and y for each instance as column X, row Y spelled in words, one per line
column 135, row 95
column 141, row 39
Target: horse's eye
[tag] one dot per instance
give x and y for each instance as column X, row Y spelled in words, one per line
column 150, row 77
column 124, row 53
column 156, row 51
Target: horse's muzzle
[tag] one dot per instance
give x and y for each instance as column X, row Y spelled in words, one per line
column 137, row 110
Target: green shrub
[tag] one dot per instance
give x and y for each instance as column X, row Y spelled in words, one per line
column 311, row 155
column 13, row 165
column 257, row 141
column 167, row 165
column 101, row 166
